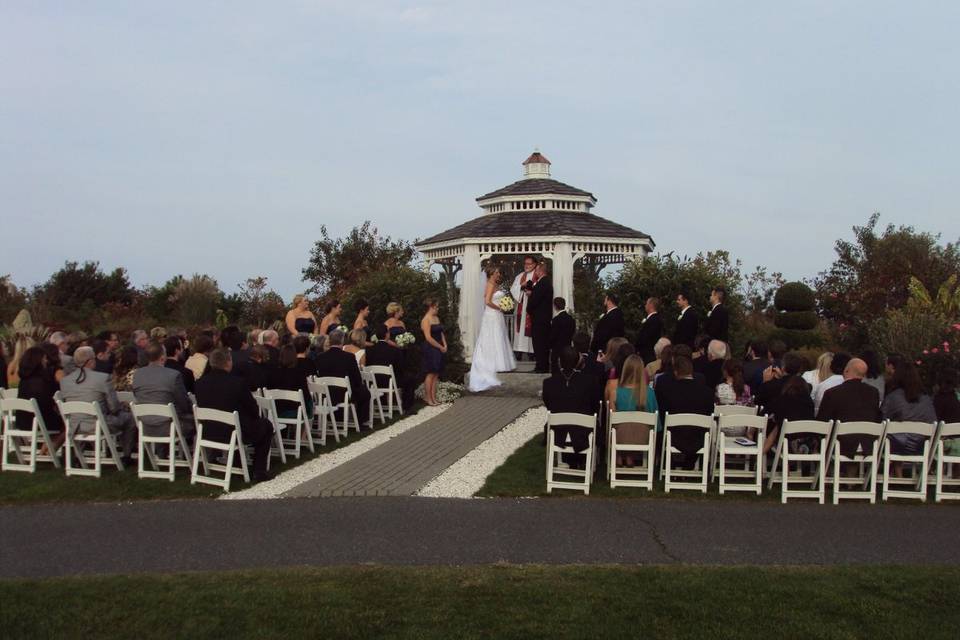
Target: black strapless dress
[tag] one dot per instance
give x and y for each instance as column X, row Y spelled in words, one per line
column 304, row 325
column 395, row 331
column 433, row 357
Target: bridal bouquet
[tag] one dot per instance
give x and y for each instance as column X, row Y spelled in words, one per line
column 507, row 305
column 405, row 339
column 343, row 329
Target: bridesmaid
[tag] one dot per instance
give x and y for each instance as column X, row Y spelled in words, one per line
column 300, row 319
column 362, row 323
column 331, row 317
column 394, row 324
column 434, row 346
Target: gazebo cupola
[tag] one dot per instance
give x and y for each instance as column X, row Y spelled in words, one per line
column 536, row 215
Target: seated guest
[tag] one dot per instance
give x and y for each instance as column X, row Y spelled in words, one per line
column 54, row 362
column 301, row 344
column 666, row 375
column 337, row 363
column 948, row 408
column 291, row 377
column 875, row 377
column 685, row 394
column 122, row 377
column 700, row 359
column 37, row 384
column 755, row 360
column 357, row 340
column 562, row 328
column 665, row 370
column 59, row 340
column 570, row 391
column 851, row 401
column 733, row 390
column 907, row 403
column 103, row 361
column 821, row 371
column 894, row 360
column 173, row 347
column 197, row 362
column 140, row 340
column 232, row 338
column 653, row 368
column 837, row 367
column 713, row 369
column 782, row 398
column 775, row 354
column 218, row 389
column 158, row 384
column 87, row 385
column 608, row 355
column 617, row 359
column 256, row 371
column 253, row 337
column 776, row 377
column 632, row 393
column 112, row 338
column 271, row 340
column 383, row 353
column 158, row 334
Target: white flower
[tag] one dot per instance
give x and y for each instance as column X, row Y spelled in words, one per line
column 507, row 304
column 343, row 329
column 405, row 339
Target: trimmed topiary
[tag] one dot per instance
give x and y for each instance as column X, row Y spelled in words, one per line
column 799, row 320
column 797, row 339
column 795, row 296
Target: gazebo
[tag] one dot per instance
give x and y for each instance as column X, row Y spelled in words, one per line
column 536, row 215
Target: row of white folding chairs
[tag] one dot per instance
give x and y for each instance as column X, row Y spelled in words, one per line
column 390, row 393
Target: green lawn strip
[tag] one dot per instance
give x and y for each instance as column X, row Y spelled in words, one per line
column 493, row 601
column 49, row 484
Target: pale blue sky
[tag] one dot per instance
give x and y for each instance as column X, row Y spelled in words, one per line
column 217, row 137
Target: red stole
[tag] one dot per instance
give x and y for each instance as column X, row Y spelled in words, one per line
column 528, row 325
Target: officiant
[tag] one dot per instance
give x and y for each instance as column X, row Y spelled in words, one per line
column 523, row 331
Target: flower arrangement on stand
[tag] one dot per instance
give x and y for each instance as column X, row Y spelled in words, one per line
column 405, row 339
column 446, row 392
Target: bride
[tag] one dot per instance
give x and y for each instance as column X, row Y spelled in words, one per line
column 492, row 352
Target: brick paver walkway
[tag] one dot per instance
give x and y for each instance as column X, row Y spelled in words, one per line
column 405, row 464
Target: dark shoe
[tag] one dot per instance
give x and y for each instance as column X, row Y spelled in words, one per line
column 264, row 476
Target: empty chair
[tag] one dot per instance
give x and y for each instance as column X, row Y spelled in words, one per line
column 641, row 474
column 24, row 444
column 785, row 461
column 947, row 461
column 324, row 415
column 747, row 446
column 683, row 425
column 865, row 458
column 265, row 405
column 89, row 439
column 176, row 449
column 296, row 421
column 375, row 399
column 918, row 463
column 347, row 412
column 576, row 434
column 233, row 449
column 385, row 386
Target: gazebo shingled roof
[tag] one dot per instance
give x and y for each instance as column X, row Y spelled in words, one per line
column 535, row 224
column 535, row 187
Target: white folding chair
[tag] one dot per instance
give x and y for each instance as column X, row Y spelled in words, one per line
column 8, row 394
column 97, row 448
column 783, row 458
column 233, row 447
column 919, row 463
column 297, row 427
column 349, row 411
column 324, row 415
column 741, row 446
column 25, row 444
column 949, row 433
column 178, row 450
column 265, row 405
column 126, row 396
column 727, row 410
column 642, row 474
column 673, row 478
column 375, row 402
column 865, row 461
column 734, row 410
column 559, row 474
column 391, row 392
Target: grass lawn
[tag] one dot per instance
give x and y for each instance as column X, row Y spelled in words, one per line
column 49, row 484
column 493, row 601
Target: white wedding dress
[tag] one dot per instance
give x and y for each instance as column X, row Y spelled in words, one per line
column 492, row 352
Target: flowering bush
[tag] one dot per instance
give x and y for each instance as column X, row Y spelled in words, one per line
column 942, row 354
column 405, row 339
column 446, row 392
column 507, row 305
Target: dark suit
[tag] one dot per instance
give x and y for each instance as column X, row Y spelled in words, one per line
column 185, row 374
column 581, row 394
column 852, row 401
column 540, row 307
column 610, row 325
column 562, row 328
column 383, row 354
column 651, row 330
column 687, row 327
column 256, row 374
column 218, row 389
column 717, row 325
column 154, row 384
column 686, row 395
column 337, row 363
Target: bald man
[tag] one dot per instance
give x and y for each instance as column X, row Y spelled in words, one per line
column 852, row 401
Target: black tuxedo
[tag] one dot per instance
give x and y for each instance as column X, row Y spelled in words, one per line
column 186, row 374
column 217, row 389
column 852, row 401
column 540, row 308
column 651, row 330
column 717, row 324
column 581, row 394
column 383, row 354
column 685, row 395
column 687, row 327
column 337, row 363
column 562, row 328
column 610, row 325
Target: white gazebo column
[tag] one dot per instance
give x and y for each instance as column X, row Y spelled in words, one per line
column 563, row 272
column 469, row 295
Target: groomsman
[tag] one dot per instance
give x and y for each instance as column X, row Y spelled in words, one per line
column 651, row 330
column 687, row 324
column 610, row 324
column 562, row 328
column 717, row 325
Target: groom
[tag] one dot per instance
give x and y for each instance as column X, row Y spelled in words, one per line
column 540, row 305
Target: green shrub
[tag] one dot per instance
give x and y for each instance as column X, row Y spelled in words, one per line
column 794, row 296
column 799, row 320
column 798, row 339
column 904, row 332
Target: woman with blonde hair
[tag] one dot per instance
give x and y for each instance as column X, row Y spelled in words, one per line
column 13, row 369
column 632, row 392
column 394, row 324
column 356, row 341
column 300, row 320
column 821, row 372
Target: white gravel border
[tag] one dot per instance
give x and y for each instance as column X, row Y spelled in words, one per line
column 327, row 461
column 466, row 476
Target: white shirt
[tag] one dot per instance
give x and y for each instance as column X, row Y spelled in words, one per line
column 683, row 312
column 649, row 315
column 833, row 381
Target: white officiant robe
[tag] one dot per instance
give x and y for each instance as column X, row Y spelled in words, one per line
column 521, row 342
